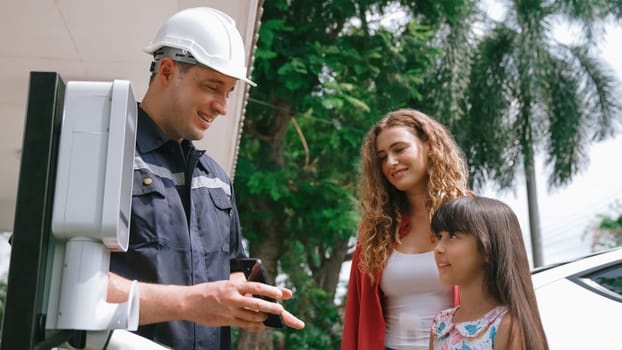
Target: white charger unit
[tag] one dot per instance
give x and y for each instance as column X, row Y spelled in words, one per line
column 92, row 205
column 95, row 163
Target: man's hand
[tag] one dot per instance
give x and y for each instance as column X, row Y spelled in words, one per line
column 219, row 303
column 232, row 303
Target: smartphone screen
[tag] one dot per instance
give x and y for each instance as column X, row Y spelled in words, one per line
column 253, row 270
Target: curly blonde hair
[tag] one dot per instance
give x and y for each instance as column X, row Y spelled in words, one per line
column 383, row 204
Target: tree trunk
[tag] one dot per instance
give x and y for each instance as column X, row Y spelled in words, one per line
column 534, row 212
column 268, row 249
column 255, row 341
column 328, row 276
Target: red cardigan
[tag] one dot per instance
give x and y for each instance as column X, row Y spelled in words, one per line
column 364, row 327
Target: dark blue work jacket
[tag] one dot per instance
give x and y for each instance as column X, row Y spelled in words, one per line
column 184, row 228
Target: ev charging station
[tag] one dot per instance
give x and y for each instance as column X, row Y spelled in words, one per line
column 92, row 204
column 81, row 214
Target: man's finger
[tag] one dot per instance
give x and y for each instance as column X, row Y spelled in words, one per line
column 292, row 321
column 255, row 304
column 266, row 290
column 286, row 293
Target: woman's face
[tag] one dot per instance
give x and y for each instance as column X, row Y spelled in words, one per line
column 403, row 158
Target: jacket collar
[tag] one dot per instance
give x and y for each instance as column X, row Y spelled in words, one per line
column 148, row 135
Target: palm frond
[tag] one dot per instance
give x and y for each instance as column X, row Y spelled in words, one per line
column 566, row 116
column 484, row 133
column 446, row 85
column 588, row 14
column 599, row 88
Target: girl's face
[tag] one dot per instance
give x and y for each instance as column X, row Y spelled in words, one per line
column 403, row 158
column 458, row 259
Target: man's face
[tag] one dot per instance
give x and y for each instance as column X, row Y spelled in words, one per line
column 197, row 96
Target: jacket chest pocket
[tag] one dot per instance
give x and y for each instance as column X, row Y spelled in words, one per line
column 150, row 210
column 214, row 219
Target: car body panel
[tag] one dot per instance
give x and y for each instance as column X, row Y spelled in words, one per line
column 576, row 312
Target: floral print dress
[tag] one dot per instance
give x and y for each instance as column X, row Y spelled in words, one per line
column 472, row 335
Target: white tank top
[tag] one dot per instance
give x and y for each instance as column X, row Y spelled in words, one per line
column 413, row 296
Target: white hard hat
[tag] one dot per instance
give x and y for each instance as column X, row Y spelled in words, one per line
column 201, row 35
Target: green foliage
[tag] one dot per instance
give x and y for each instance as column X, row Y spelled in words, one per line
column 614, row 225
column 607, row 233
column 323, row 328
column 326, row 71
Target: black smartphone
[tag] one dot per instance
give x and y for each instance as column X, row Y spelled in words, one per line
column 253, row 270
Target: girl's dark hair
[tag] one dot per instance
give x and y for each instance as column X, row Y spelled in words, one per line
column 507, row 277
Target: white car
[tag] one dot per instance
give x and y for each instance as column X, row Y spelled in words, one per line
column 580, row 301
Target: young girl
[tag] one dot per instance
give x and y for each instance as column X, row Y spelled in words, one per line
column 480, row 248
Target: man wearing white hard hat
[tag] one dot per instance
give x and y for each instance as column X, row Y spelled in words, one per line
column 184, row 225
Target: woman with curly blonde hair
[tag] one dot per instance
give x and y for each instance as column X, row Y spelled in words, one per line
column 411, row 165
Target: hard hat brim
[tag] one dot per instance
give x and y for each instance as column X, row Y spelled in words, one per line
column 151, row 49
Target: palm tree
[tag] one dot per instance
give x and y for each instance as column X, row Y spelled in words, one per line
column 527, row 93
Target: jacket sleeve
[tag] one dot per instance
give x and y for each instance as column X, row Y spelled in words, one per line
column 363, row 327
column 349, row 339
